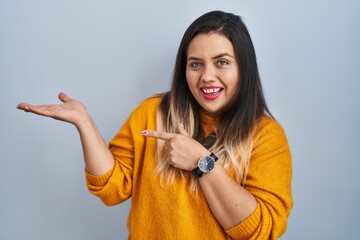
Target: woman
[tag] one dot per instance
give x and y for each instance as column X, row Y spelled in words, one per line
column 205, row 160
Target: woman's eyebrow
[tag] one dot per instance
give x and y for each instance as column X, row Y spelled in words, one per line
column 192, row 58
column 223, row 55
column 215, row 57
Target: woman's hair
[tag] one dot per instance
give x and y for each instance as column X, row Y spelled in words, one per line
column 232, row 141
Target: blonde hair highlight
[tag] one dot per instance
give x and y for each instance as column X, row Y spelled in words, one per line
column 233, row 155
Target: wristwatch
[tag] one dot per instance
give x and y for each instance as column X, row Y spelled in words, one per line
column 206, row 164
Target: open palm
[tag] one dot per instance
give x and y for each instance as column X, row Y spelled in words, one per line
column 70, row 110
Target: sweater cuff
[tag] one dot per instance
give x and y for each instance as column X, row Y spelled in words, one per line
column 98, row 181
column 247, row 228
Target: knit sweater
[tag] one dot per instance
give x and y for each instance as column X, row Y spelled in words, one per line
column 161, row 211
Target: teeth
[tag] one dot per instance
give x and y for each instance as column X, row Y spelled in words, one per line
column 210, row 90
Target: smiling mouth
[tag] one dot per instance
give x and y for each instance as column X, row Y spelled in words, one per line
column 211, row 91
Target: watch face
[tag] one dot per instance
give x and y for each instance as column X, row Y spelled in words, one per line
column 206, row 164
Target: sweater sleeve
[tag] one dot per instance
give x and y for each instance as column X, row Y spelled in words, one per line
column 269, row 181
column 115, row 186
column 127, row 147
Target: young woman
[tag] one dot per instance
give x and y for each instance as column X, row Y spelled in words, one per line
column 205, row 160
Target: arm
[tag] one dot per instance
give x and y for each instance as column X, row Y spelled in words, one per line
column 231, row 204
column 97, row 156
column 261, row 208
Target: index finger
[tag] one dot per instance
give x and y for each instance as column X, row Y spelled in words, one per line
column 157, row 134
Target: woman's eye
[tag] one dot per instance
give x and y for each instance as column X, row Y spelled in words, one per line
column 195, row 64
column 222, row 63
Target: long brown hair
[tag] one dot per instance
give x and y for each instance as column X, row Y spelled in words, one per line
column 232, row 142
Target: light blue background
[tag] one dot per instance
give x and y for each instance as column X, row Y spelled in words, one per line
column 112, row 54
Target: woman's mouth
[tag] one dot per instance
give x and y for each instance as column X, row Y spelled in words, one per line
column 211, row 93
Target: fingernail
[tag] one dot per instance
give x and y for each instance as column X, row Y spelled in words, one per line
column 145, row 132
column 27, row 108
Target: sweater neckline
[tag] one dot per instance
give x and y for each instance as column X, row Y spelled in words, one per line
column 206, row 119
column 209, row 124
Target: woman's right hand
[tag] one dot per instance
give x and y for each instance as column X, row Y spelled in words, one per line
column 97, row 156
column 70, row 110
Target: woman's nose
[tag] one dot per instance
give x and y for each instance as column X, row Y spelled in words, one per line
column 208, row 74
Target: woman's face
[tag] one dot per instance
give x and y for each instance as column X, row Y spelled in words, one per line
column 212, row 71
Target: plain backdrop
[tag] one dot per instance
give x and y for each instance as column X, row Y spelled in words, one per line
column 113, row 54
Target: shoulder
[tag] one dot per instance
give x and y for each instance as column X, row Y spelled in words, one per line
column 266, row 125
column 145, row 112
column 269, row 135
column 149, row 105
column 151, row 102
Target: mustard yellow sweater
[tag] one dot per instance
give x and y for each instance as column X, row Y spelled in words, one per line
column 172, row 212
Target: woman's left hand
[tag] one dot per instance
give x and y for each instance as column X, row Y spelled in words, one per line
column 182, row 150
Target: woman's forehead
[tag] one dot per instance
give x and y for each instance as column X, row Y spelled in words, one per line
column 210, row 44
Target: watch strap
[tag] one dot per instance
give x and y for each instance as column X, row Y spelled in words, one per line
column 198, row 173
column 214, row 157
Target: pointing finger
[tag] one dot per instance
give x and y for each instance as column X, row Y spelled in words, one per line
column 157, row 134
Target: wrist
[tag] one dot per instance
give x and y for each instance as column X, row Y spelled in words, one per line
column 83, row 121
column 201, row 154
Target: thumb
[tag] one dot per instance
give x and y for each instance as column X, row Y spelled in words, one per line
column 182, row 130
column 63, row 97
